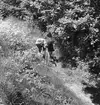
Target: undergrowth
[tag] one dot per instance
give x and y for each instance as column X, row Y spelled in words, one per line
column 21, row 84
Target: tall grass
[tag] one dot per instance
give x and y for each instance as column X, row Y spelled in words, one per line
column 20, row 83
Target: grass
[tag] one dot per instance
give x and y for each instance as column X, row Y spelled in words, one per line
column 19, row 80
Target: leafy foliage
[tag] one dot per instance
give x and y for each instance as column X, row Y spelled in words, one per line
column 24, row 81
column 75, row 26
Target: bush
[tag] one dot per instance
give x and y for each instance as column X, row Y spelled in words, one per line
column 32, row 88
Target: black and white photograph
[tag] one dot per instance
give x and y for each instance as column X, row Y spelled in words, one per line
column 49, row 52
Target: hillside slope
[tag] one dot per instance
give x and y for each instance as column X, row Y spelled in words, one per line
column 57, row 77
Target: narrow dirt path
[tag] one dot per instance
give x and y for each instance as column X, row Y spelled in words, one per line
column 74, row 92
column 59, row 79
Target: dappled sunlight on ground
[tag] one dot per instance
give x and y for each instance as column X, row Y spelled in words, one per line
column 73, row 86
column 79, row 93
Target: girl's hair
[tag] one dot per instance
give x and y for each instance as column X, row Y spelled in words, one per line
column 49, row 35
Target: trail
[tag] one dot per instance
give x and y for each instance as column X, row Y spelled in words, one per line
column 59, row 79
